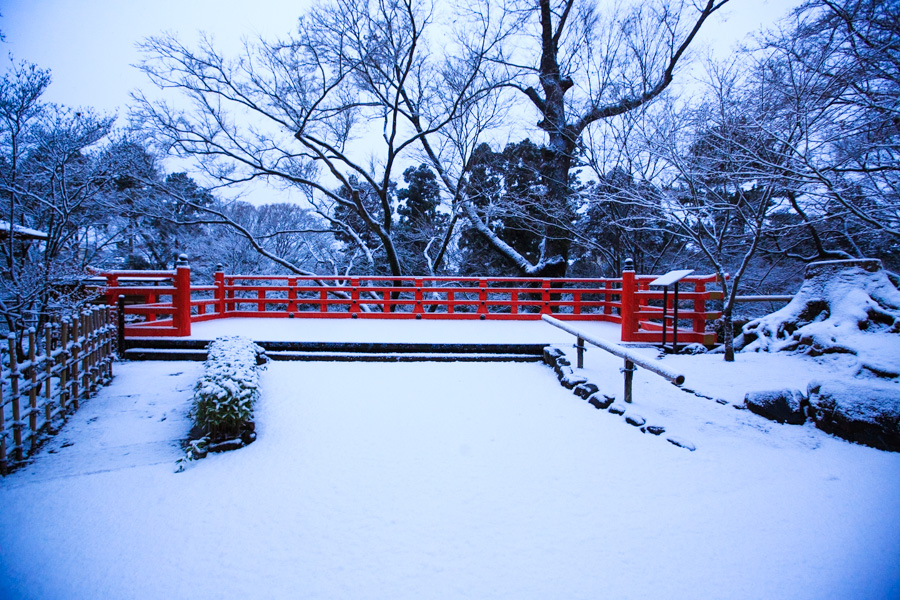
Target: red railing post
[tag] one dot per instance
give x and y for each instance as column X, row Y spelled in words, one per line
column 112, row 295
column 261, row 296
column 700, row 307
column 354, row 296
column 628, row 302
column 607, row 298
column 545, row 297
column 151, row 298
column 219, row 280
column 292, row 295
column 482, row 298
column 181, row 298
column 419, row 297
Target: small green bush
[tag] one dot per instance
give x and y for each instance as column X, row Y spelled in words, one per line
column 226, row 393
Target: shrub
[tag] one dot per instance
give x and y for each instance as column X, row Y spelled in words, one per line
column 226, row 393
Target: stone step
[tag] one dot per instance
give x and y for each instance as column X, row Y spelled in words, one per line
column 366, row 352
column 162, row 343
column 401, row 357
column 164, row 354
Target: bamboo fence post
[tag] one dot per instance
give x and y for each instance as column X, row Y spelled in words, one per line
column 14, row 394
column 3, row 465
column 31, row 373
column 107, row 344
column 90, row 316
column 48, row 372
column 105, row 349
column 64, row 365
column 75, row 348
column 85, row 354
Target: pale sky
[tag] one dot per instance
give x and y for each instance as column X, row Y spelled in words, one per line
column 89, row 45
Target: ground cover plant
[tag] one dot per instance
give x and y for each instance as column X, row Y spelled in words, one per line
column 224, row 397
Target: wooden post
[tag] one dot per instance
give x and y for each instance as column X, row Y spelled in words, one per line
column 219, row 280
column 628, row 304
column 700, row 307
column 354, row 297
column 580, row 347
column 94, row 353
column 628, row 371
column 120, row 327
column 419, row 297
column 482, row 299
column 607, row 298
column 182, row 297
column 545, row 297
column 48, row 372
column 3, row 465
column 31, row 373
column 74, row 375
column 261, row 299
column 14, row 392
column 64, row 365
column 665, row 318
column 675, row 321
column 292, row 295
column 112, row 282
column 85, row 356
column 107, row 324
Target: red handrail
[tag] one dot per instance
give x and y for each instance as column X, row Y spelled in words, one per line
column 627, row 300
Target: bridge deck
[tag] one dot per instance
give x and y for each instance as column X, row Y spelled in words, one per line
column 371, row 330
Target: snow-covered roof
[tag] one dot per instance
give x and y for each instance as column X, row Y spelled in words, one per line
column 19, row 231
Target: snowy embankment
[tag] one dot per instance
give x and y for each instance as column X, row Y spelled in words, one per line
column 460, row 480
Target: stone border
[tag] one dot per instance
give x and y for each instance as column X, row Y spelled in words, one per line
column 555, row 358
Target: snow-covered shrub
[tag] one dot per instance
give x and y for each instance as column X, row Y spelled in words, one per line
column 226, row 393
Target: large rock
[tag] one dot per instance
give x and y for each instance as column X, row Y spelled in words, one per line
column 784, row 406
column 600, row 401
column 860, row 411
column 843, row 306
column 585, row 390
column 571, row 380
column 551, row 353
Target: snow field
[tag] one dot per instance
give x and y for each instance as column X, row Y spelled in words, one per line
column 459, row 480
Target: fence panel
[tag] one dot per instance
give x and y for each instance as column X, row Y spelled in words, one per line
column 37, row 393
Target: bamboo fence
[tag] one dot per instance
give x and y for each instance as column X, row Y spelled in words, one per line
column 65, row 365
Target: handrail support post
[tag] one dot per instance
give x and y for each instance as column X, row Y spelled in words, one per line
column 628, row 371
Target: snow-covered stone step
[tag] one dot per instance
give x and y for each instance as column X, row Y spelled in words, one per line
column 168, row 349
column 165, row 354
column 401, row 356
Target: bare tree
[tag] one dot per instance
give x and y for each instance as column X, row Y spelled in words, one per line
column 716, row 183
column 833, row 74
column 301, row 112
column 52, row 176
column 574, row 67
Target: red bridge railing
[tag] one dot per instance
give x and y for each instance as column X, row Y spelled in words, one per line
column 164, row 303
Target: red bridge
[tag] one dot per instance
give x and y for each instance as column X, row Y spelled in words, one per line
column 165, row 303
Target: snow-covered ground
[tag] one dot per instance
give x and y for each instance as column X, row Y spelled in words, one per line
column 455, row 480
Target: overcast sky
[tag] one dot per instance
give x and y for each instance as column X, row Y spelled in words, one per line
column 89, row 45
